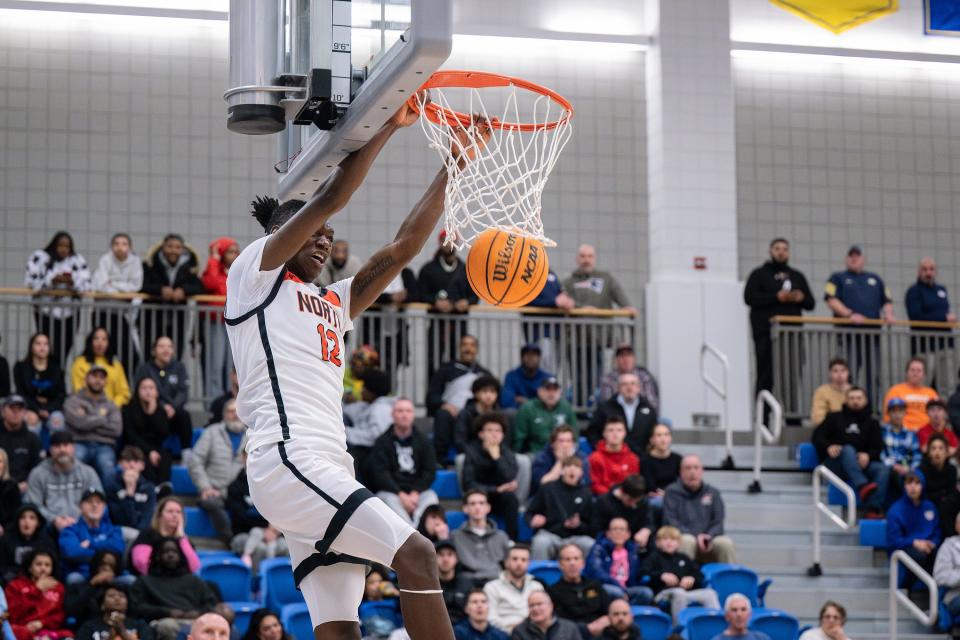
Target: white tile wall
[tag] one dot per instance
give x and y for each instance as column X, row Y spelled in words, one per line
column 830, row 154
column 106, row 127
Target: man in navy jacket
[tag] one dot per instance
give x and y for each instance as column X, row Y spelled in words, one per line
column 913, row 526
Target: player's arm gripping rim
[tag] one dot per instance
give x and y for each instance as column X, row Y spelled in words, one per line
column 390, row 260
column 331, row 196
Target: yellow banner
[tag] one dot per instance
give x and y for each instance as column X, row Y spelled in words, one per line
column 838, row 15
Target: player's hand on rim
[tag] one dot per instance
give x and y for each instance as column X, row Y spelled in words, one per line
column 468, row 140
column 406, row 115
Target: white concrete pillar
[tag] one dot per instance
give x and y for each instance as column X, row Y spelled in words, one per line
column 692, row 185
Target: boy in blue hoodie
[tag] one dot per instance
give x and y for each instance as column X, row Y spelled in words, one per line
column 913, row 526
column 613, row 561
column 91, row 533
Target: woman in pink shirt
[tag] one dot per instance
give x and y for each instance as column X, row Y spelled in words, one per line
column 168, row 522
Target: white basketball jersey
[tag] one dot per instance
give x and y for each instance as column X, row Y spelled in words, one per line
column 287, row 341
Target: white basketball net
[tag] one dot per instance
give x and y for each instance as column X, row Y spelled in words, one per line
column 502, row 187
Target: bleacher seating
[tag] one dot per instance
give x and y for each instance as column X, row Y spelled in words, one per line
column 295, row 619
column 230, row 575
column 727, row 579
column 455, row 519
column 654, row 624
column 779, row 625
column 181, row 481
column 873, row 533
column 388, row 609
column 807, row 456
column 702, row 624
column 198, row 523
column 244, row 611
column 546, row 571
column 446, row 486
column 276, row 584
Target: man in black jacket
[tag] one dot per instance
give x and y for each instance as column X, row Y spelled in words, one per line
column 628, row 404
column 170, row 274
column 560, row 513
column 627, row 500
column 773, row 289
column 849, row 442
column 490, row 466
column 449, row 389
column 402, row 466
column 21, row 444
column 576, row 598
column 443, row 284
column 454, row 582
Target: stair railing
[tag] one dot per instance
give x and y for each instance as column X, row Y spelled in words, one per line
column 821, row 508
column 896, row 595
column 721, row 390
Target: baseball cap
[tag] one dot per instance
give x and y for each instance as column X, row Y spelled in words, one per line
column 550, row 381
column 89, row 492
column 896, row 403
column 623, row 346
column 530, row 346
column 61, row 437
column 94, row 368
column 443, row 544
column 14, row 399
column 855, row 248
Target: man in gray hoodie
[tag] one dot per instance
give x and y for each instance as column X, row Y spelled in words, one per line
column 696, row 508
column 56, row 484
column 216, row 461
column 480, row 546
column 946, row 571
column 95, row 423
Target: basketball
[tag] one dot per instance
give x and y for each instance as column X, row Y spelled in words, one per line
column 506, row 269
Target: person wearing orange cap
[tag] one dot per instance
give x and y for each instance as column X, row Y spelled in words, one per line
column 218, row 362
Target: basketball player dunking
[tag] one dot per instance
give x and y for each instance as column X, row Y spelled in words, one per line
column 287, row 340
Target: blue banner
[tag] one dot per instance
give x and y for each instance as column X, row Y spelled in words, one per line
column 942, row 17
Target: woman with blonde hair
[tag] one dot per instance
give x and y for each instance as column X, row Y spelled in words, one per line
column 168, row 522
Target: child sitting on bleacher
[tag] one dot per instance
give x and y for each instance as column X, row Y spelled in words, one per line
column 913, row 526
column 674, row 577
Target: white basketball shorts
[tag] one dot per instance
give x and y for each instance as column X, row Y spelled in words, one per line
column 333, row 525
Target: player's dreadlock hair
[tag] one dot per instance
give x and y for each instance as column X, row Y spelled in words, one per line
column 270, row 213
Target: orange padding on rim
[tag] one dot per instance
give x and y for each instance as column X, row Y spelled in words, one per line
column 485, row 80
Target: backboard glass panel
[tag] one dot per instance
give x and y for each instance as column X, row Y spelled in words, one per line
column 393, row 46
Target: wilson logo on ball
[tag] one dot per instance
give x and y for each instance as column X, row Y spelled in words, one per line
column 506, row 269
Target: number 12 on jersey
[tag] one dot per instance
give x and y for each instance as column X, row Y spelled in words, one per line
column 329, row 345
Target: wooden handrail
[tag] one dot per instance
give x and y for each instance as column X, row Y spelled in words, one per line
column 915, row 324
column 219, row 300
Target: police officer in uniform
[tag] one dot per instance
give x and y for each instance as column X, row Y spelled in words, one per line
column 773, row 289
column 858, row 295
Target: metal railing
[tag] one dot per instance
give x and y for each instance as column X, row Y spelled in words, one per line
column 762, row 433
column 822, row 508
column 721, row 390
column 927, row 619
column 412, row 340
column 876, row 351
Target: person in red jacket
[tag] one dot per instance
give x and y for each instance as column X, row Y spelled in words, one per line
column 612, row 461
column 35, row 600
column 223, row 251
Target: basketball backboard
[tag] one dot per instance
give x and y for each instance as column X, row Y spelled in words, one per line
column 325, row 74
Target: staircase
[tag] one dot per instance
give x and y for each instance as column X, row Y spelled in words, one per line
column 773, row 533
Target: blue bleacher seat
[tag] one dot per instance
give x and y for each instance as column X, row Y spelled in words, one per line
column 209, row 554
column 524, row 532
column 455, row 519
column 873, row 533
column 546, row 571
column 198, row 524
column 654, row 624
column 172, row 444
column 836, row 497
column 180, row 479
column 733, row 578
column 389, row 609
column 807, row 456
column 197, row 432
column 584, row 446
column 277, row 587
column 704, row 624
column 244, row 611
column 230, row 575
column 779, row 625
column 295, row 619
column 446, row 486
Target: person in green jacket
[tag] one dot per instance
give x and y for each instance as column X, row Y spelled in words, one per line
column 536, row 420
